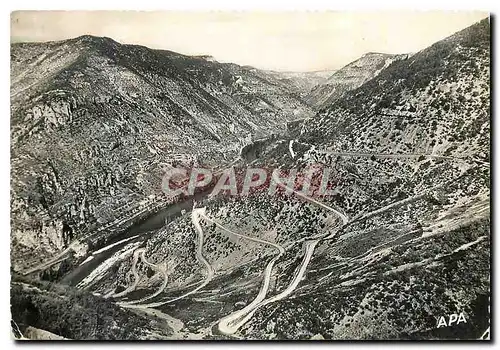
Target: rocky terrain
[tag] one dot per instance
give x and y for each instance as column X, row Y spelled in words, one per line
column 403, row 239
column 349, row 78
column 302, row 82
column 411, row 151
column 95, row 123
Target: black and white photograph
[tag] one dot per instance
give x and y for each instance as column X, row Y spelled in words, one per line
column 250, row 175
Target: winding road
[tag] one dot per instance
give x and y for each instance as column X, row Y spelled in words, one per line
column 163, row 269
column 195, row 217
column 404, row 155
column 232, row 323
column 133, row 286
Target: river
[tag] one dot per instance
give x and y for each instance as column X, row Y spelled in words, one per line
column 143, row 229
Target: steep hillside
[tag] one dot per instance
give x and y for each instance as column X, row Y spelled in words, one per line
column 94, row 124
column 350, row 77
column 402, row 239
column 45, row 311
column 416, row 244
column 435, row 102
column 410, row 152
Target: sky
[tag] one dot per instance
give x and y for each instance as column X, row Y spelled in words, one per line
column 282, row 41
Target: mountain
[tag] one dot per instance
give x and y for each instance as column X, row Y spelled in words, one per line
column 401, row 240
column 95, row 123
column 410, row 151
column 436, row 102
column 302, row 82
column 350, row 77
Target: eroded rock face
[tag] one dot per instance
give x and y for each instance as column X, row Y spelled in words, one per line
column 94, row 123
column 435, row 102
column 349, row 78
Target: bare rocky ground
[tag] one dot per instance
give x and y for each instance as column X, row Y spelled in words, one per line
column 408, row 143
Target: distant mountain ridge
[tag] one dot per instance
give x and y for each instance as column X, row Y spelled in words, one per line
column 302, row 82
column 435, row 101
column 350, row 77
